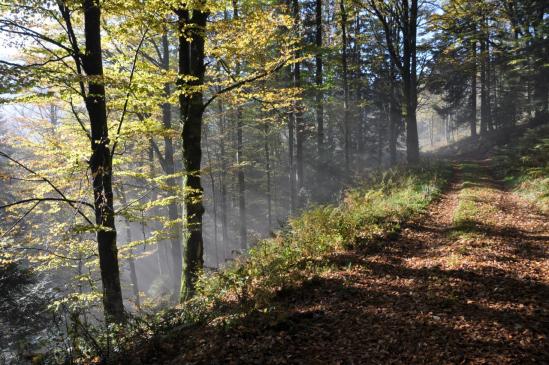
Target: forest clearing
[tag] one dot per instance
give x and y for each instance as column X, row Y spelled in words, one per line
column 274, row 182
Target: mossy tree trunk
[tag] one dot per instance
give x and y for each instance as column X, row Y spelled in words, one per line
column 101, row 164
column 192, row 29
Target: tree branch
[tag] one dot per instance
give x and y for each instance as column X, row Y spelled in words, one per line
column 20, row 220
column 244, row 81
column 46, row 180
column 39, row 200
column 125, row 108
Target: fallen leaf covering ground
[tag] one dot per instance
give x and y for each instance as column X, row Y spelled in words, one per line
column 434, row 295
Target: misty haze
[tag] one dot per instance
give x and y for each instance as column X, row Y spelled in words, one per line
column 287, row 182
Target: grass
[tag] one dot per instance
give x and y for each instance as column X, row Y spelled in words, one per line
column 470, row 207
column 524, row 166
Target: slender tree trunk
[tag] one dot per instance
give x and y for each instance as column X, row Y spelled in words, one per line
column 406, row 62
column 241, row 182
column 169, row 158
column 291, row 163
column 133, row 271
column 394, row 114
column 291, row 149
column 214, row 194
column 496, row 122
column 131, row 260
column 356, row 85
column 101, row 164
column 484, row 99
column 541, row 82
column 473, row 101
column 274, row 188
column 161, row 251
column 540, row 52
column 489, row 118
column 224, row 223
column 191, row 62
column 299, row 121
column 318, row 81
column 431, row 125
column 445, row 122
column 243, row 226
column 379, row 144
column 346, row 132
column 410, row 81
column 268, row 173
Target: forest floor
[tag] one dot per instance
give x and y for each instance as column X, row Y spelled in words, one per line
column 466, row 282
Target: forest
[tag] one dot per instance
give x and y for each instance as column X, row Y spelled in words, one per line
column 274, row 181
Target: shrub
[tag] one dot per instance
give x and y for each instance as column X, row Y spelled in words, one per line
column 524, row 166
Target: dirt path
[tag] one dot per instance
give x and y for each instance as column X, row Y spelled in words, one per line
column 442, row 293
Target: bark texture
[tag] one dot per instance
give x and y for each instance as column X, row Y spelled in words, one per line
column 101, row 164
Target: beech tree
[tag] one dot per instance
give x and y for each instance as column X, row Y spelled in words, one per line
column 202, row 127
column 88, row 68
column 402, row 17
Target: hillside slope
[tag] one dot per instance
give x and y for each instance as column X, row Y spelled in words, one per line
column 460, row 284
column 462, row 280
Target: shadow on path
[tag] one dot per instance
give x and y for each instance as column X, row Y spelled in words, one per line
column 428, row 297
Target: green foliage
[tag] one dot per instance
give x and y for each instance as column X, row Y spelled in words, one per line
column 524, row 166
column 369, row 213
column 23, row 305
column 471, row 207
column 466, row 213
column 366, row 214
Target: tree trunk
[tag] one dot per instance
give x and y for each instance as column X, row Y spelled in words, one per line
column 268, row 173
column 410, row 81
column 214, row 195
column 131, row 260
column 101, row 164
column 162, row 249
column 484, row 99
column 133, row 271
column 431, row 125
column 539, row 44
column 223, row 202
column 318, row 81
column 299, row 121
column 243, row 227
column 291, row 159
column 406, row 18
column 346, row 132
column 394, row 114
column 291, row 163
column 473, row 101
column 489, row 119
column 169, row 158
column 191, row 62
column 241, row 183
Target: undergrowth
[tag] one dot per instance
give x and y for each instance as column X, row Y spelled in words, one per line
column 470, row 206
column 471, row 209
column 371, row 212
column 524, row 166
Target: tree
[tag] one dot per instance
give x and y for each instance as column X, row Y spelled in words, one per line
column 402, row 17
column 192, row 28
column 192, row 84
column 319, row 80
column 101, row 158
column 88, row 67
column 344, row 63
